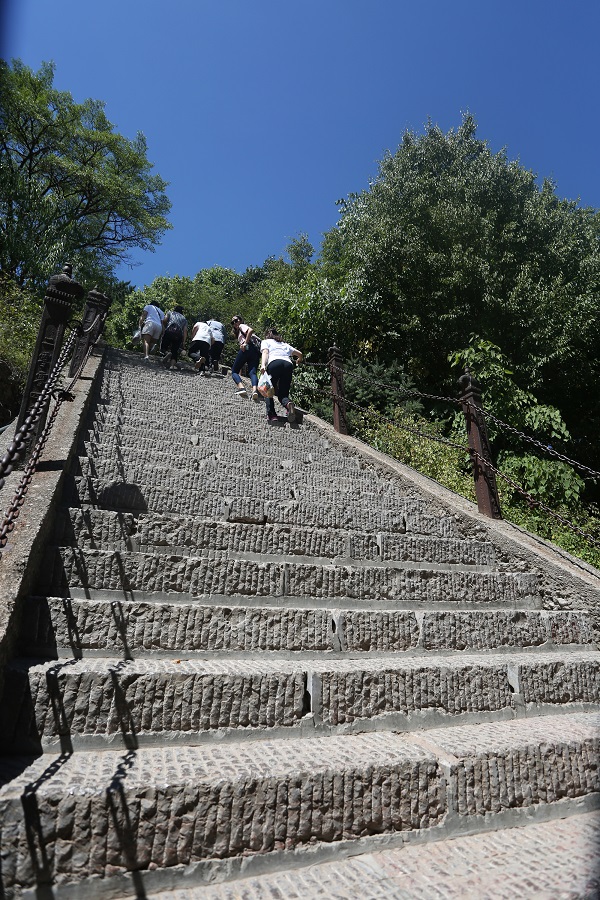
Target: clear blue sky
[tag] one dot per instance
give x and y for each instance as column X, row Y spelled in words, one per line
column 261, row 114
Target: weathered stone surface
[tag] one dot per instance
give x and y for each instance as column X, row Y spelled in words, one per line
column 116, row 571
column 96, row 697
column 136, row 627
column 123, row 496
column 108, row 530
column 521, row 764
column 543, row 860
column 226, row 802
column 485, row 630
column 189, row 697
column 260, row 596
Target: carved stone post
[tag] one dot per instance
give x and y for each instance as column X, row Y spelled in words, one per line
column 61, row 293
column 337, row 391
column 96, row 307
column 486, row 490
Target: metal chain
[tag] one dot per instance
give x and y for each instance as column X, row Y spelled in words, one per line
column 483, row 462
column 439, row 440
column 536, row 443
column 38, row 409
column 545, row 448
column 83, row 330
column 534, row 502
column 14, row 508
column 400, row 390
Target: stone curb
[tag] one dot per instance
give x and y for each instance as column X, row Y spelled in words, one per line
column 24, row 553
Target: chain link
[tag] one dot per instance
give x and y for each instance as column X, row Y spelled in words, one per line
column 37, row 411
column 532, row 500
column 381, row 418
column 474, row 455
column 60, row 396
column 545, row 448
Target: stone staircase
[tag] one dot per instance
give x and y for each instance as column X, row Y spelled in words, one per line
column 252, row 650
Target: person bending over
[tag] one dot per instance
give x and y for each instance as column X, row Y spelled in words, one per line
column 151, row 327
column 248, row 354
column 174, row 336
column 200, row 346
column 278, row 362
column 217, row 330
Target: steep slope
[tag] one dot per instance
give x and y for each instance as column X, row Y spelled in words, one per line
column 251, row 649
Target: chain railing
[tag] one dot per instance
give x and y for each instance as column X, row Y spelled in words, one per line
column 463, row 450
column 533, row 501
column 411, row 394
column 478, row 448
column 49, row 359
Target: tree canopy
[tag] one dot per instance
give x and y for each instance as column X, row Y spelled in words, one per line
column 452, row 240
column 70, row 186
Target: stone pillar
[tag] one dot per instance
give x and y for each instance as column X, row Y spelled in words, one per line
column 486, row 489
column 62, row 291
column 96, row 307
column 337, row 391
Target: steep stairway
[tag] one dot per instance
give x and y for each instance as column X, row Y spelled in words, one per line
column 251, row 650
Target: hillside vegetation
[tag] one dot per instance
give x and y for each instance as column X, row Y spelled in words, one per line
column 453, row 256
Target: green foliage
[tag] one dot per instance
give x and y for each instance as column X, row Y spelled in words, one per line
column 412, row 441
column 552, row 482
column 20, row 313
column 451, row 239
column 504, row 398
column 546, row 479
column 70, row 186
column 555, row 483
column 549, row 528
column 300, row 251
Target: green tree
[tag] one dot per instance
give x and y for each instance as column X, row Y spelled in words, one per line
column 70, row 186
column 451, row 239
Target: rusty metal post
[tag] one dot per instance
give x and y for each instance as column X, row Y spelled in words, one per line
column 337, row 391
column 61, row 293
column 486, row 489
column 96, row 307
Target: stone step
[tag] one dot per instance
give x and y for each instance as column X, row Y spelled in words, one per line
column 257, row 478
column 212, row 454
column 127, row 464
column 72, row 569
column 108, row 530
column 557, row 858
column 204, row 416
column 286, row 443
column 401, row 516
column 87, row 702
column 73, row 627
column 153, row 388
column 97, row 815
column 245, row 431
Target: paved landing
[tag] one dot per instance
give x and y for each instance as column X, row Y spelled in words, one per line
column 557, row 860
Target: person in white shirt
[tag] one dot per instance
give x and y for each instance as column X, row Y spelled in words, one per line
column 200, row 346
column 151, row 325
column 217, row 329
column 278, row 362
